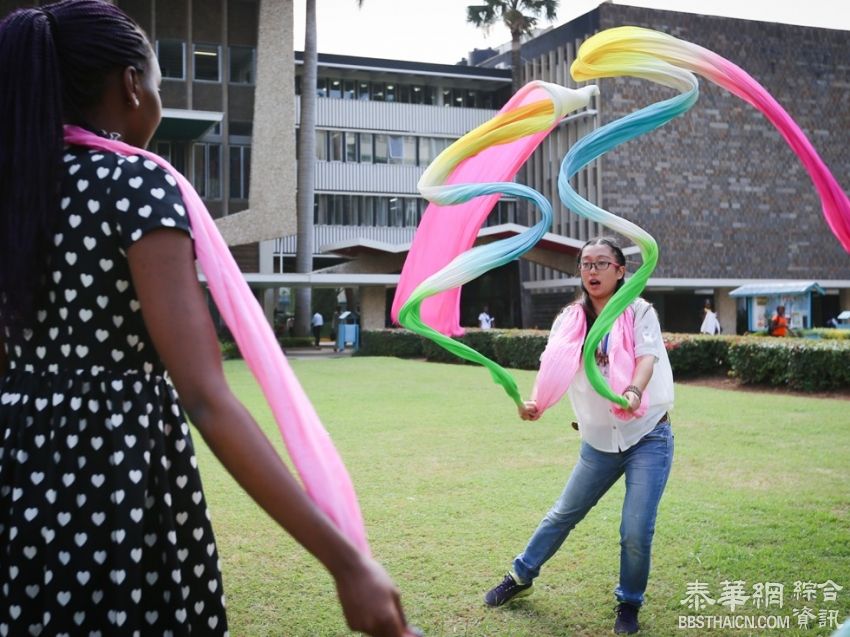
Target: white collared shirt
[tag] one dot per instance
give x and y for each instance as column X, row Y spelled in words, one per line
column 598, row 426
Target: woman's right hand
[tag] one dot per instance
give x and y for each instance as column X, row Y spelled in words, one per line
column 528, row 410
column 370, row 601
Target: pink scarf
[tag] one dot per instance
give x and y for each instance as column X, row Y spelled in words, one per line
column 321, row 469
column 561, row 359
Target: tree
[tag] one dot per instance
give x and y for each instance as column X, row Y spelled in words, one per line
column 306, row 177
column 519, row 16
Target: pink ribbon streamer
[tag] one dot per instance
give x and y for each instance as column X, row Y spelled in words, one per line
column 561, row 359
column 447, row 231
column 322, row 471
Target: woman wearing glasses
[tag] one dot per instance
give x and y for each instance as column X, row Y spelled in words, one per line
column 641, row 448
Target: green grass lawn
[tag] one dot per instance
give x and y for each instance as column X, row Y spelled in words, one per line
column 452, row 484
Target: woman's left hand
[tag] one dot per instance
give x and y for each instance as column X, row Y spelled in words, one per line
column 634, row 400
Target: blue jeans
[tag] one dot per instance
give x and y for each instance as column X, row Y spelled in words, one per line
column 647, row 466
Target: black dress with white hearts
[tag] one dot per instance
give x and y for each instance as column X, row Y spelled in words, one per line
column 103, row 525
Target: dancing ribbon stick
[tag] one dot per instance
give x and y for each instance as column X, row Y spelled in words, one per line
column 440, row 258
column 664, row 59
column 322, row 472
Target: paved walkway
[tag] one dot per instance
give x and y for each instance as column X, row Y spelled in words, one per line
column 325, row 351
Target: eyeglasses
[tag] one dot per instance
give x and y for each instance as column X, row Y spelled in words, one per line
column 600, row 266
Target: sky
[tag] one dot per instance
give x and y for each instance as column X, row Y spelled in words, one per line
column 436, row 30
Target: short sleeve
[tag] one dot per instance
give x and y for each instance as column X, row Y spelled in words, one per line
column 648, row 338
column 146, row 198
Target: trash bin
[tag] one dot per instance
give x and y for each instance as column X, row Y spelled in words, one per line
column 347, row 331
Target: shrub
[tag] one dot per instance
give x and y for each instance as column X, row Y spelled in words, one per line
column 229, row 350
column 800, row 364
column 393, row 342
column 295, row 341
column 694, row 355
column 522, row 349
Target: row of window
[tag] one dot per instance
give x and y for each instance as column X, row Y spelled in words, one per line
column 393, row 211
column 378, row 148
column 406, row 93
column 206, row 175
column 207, row 62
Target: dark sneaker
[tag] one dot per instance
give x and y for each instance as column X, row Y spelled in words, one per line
column 506, row 591
column 626, row 623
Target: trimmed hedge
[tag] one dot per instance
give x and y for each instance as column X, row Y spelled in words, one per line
column 800, row 363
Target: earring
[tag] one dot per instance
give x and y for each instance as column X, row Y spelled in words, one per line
column 135, row 102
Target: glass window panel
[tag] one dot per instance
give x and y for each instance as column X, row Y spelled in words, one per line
column 366, row 148
column 404, row 93
column 447, row 97
column 322, row 145
column 390, row 93
column 351, row 147
column 335, row 88
column 207, row 62
column 417, row 95
column 396, row 149
column 380, row 149
column 471, row 99
column 457, row 97
column 411, row 216
column 378, row 91
column 242, row 64
column 349, row 90
column 298, row 85
column 318, row 209
column 240, row 129
column 367, row 211
column 200, row 173
column 214, row 171
column 322, row 87
column 396, row 212
column 163, row 149
column 363, row 92
column 172, row 59
column 337, row 147
column 235, row 172
column 430, row 94
column 382, row 210
column 409, row 150
column 353, row 210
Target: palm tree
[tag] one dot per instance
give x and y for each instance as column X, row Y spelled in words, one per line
column 510, row 13
column 306, row 178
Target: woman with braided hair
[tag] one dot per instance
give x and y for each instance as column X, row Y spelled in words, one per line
column 103, row 525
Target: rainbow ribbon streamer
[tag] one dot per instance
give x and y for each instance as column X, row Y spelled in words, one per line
column 501, row 144
column 668, row 61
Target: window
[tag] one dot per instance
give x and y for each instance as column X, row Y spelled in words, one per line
column 240, row 171
column 390, row 93
column 208, row 170
column 242, row 64
column 322, row 145
column 207, row 63
column 366, row 148
column 351, row 147
column 240, row 129
column 173, row 153
column 411, row 212
column 348, row 90
column 321, row 87
column 380, row 149
column 172, row 59
column 335, row 89
column 396, row 149
column 417, row 95
column 337, row 145
column 363, row 92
